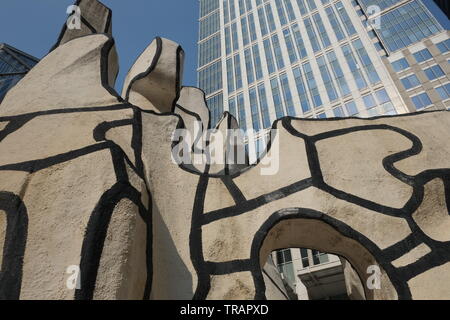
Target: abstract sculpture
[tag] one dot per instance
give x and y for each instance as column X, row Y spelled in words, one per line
column 87, row 179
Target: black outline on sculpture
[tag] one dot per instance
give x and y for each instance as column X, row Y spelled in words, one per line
column 14, row 245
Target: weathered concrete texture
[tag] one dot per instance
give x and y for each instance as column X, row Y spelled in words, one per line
column 194, row 101
column 353, row 284
column 153, row 83
column 87, row 179
column 95, row 18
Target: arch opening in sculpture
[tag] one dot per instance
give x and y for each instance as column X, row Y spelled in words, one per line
column 305, row 228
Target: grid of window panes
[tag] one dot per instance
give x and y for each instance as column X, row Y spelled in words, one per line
column 215, row 104
column 251, row 37
column 13, row 67
column 407, row 24
column 209, row 53
column 299, row 57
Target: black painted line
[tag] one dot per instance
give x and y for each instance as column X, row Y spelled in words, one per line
column 14, row 245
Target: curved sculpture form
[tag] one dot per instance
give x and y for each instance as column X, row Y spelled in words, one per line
column 87, row 179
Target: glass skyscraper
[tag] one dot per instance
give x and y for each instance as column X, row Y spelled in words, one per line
column 265, row 59
column 14, row 65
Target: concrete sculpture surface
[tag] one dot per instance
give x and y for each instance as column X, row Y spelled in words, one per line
column 87, row 178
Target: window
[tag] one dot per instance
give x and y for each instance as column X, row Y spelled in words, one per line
column 230, row 75
column 382, row 96
column 302, row 6
column 422, row 55
column 410, row 82
column 299, row 41
column 284, row 264
column 444, row 46
column 226, row 13
column 232, row 10
column 257, row 60
column 209, row 25
column 208, row 6
column 215, row 104
column 348, row 24
column 290, row 10
column 338, row 112
column 235, row 36
column 7, row 84
column 264, row 106
column 287, row 95
column 366, row 61
column 327, row 80
column 351, row 108
column 312, row 35
column 209, row 50
column 322, row 31
column 304, row 255
column 311, row 4
column 237, row 71
column 301, row 89
column 277, row 51
column 434, row 72
column 232, row 106
column 227, row 40
column 444, row 91
column 421, row 101
column 407, row 24
column 312, row 85
column 244, row 29
column 249, row 66
column 354, row 67
column 254, row 110
column 248, row 4
column 270, row 19
column 338, row 74
column 281, row 14
column 277, row 101
column 385, row 102
column 335, row 23
column 241, row 7
column 262, row 21
column 319, row 257
column 210, row 78
column 384, row 4
column 269, row 56
column 251, row 25
column 290, row 46
column 241, row 111
column 400, row 64
column 369, row 101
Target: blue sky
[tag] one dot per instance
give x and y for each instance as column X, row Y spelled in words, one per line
column 33, row 26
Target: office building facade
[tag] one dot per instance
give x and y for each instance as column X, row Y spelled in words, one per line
column 262, row 60
column 14, row 65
